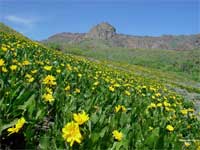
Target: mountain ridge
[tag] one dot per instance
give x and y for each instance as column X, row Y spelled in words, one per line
column 107, row 34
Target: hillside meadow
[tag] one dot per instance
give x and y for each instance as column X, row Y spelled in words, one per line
column 184, row 63
column 51, row 100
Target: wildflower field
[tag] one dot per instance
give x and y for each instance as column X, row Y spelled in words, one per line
column 56, row 101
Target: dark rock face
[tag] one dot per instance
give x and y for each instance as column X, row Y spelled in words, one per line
column 105, row 34
column 102, row 31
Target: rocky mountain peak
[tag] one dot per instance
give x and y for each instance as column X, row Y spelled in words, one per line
column 102, row 31
column 104, row 35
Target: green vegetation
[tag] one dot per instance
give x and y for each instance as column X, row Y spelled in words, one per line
column 184, row 63
column 4, row 28
column 188, row 88
column 57, row 101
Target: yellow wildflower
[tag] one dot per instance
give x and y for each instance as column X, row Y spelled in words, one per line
column 166, row 104
column 157, row 94
column 69, row 67
column 28, row 75
column 26, row 62
column 116, row 85
column 48, row 90
column 76, row 69
column 29, row 78
column 2, row 62
column 14, row 61
column 48, row 68
column 127, row 93
column 170, row 128
column 120, row 107
column 67, row 88
column 33, row 71
column 48, row 97
column 19, row 64
column 111, row 89
column 123, row 108
column 13, row 67
column 174, row 105
column 15, row 54
column 174, row 97
column 117, row 108
column 159, row 105
column 81, row 118
column 117, row 135
column 186, row 144
column 150, row 128
column 4, row 48
column 58, row 71
column 198, row 148
column 127, row 85
column 189, row 126
column 71, row 133
column 79, row 75
column 152, row 105
column 4, row 69
column 184, row 111
column 190, row 110
column 17, row 127
column 49, row 80
column 167, row 108
column 96, row 83
column 77, row 90
column 192, row 116
column 152, row 89
column 144, row 87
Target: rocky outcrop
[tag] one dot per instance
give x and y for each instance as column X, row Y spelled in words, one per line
column 105, row 34
column 103, row 31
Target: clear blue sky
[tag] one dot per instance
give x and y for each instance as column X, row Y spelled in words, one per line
column 38, row 19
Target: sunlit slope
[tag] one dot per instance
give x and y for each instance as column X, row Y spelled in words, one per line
column 4, row 28
column 185, row 63
column 186, row 87
column 42, row 91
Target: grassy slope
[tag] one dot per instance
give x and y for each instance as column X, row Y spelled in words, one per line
column 6, row 29
column 184, row 63
column 123, row 58
column 143, row 124
column 177, row 69
column 190, row 89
